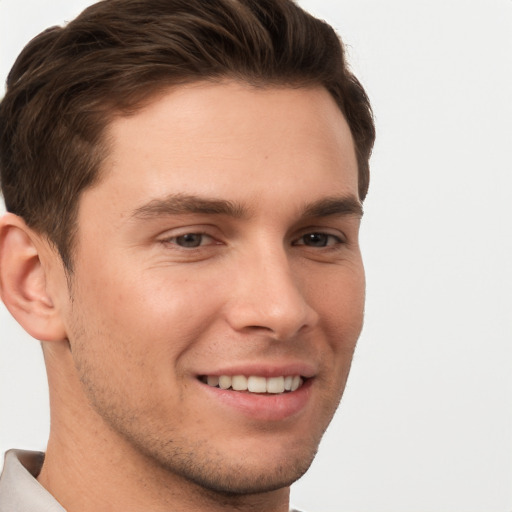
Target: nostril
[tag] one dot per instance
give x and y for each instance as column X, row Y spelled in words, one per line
column 259, row 328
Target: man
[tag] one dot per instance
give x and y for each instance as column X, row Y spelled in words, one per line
column 184, row 184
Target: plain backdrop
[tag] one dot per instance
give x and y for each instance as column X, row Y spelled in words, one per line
column 426, row 421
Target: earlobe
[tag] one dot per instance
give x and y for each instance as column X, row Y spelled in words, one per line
column 23, row 281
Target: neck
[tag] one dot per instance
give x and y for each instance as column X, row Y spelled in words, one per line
column 90, row 468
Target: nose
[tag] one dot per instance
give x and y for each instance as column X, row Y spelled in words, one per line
column 269, row 297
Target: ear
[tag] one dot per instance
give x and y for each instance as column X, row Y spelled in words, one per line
column 23, row 280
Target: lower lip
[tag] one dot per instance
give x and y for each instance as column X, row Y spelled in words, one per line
column 264, row 407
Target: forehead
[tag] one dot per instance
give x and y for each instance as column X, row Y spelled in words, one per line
column 229, row 140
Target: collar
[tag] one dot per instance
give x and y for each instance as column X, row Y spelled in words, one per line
column 19, row 489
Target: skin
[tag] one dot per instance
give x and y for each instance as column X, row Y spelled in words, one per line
column 149, row 310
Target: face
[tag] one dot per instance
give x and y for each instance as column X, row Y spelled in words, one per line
column 218, row 287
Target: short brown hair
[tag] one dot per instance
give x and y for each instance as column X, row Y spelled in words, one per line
column 69, row 82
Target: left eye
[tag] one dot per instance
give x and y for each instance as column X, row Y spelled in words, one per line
column 318, row 240
column 190, row 240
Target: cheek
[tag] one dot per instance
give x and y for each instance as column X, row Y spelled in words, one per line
column 144, row 316
column 342, row 312
column 341, row 300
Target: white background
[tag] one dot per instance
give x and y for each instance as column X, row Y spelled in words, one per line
column 426, row 421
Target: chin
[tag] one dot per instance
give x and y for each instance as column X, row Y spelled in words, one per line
column 233, row 471
column 239, row 478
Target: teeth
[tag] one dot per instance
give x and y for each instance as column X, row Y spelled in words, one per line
column 275, row 385
column 225, row 382
column 296, row 383
column 239, row 383
column 255, row 383
column 213, row 380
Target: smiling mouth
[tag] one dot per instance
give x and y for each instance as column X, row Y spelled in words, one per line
column 254, row 383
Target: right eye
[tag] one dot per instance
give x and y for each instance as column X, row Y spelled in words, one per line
column 190, row 240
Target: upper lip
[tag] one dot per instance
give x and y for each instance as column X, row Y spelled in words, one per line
column 267, row 370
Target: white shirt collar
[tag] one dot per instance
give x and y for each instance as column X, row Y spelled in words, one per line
column 19, row 489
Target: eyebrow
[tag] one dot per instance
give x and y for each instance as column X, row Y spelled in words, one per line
column 180, row 204
column 345, row 205
column 176, row 204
